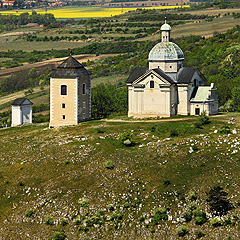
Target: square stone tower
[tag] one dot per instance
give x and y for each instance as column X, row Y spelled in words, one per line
column 70, row 94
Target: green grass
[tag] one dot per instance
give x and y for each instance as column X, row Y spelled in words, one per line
column 36, row 157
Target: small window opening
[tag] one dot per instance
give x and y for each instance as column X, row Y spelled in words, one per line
column 195, row 83
column 63, row 116
column 84, row 89
column 151, row 84
column 63, row 105
column 63, row 89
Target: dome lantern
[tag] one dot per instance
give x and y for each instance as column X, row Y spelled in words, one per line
column 165, row 30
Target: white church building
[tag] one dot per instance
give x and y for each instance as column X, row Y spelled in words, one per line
column 166, row 88
column 21, row 111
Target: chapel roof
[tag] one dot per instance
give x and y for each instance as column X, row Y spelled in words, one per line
column 20, row 101
column 165, row 27
column 70, row 68
column 185, row 74
column 202, row 93
column 164, row 51
column 136, row 73
column 139, row 71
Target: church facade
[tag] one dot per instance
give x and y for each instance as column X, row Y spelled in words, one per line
column 165, row 88
column 70, row 94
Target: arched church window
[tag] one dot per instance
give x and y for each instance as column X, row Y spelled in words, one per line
column 151, row 84
column 63, row 89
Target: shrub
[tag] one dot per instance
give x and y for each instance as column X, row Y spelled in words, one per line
column 166, row 183
column 126, row 138
column 188, row 216
column 215, row 222
column 192, row 194
column 173, row 133
column 142, row 218
column 160, row 214
column 193, row 206
column 202, row 120
column 109, row 164
column 83, row 203
column 182, row 231
column 59, row 236
column 100, row 130
column 30, row 213
column 153, row 128
column 67, row 162
column 200, row 216
column 227, row 221
column 199, row 234
column 63, row 222
column 218, row 202
column 49, row 221
column 225, row 129
column 82, row 228
column 100, row 213
column 110, row 207
column 78, row 222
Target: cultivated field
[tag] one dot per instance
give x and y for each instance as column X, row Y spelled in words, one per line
column 85, row 12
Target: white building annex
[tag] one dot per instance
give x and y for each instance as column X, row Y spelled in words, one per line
column 21, row 111
column 166, row 88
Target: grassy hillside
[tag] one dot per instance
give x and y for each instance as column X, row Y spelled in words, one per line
column 58, row 176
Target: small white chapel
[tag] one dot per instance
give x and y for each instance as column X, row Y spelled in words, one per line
column 165, row 88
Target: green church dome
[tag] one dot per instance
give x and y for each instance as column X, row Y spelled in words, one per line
column 164, row 51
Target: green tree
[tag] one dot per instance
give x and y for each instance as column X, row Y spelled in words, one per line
column 218, row 202
column 235, row 103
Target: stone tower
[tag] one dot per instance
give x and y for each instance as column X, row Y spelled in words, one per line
column 70, row 94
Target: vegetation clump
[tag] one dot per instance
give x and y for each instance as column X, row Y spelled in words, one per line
column 59, row 236
column 160, row 214
column 126, row 138
column 109, row 164
column 182, row 231
column 49, row 221
column 63, row 222
column 30, row 213
column 202, row 120
column 215, row 222
column 225, row 129
column 83, row 203
column 218, row 202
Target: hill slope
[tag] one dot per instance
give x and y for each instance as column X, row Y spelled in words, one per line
column 58, row 176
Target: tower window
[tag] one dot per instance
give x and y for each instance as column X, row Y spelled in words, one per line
column 84, row 89
column 63, row 89
column 151, row 84
column 63, row 116
column 195, row 83
column 63, row 105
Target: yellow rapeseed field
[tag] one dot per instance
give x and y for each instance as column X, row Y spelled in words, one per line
column 83, row 12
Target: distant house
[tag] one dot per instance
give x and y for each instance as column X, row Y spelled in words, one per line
column 21, row 111
column 8, row 3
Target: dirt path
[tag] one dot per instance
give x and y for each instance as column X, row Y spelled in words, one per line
column 52, row 63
